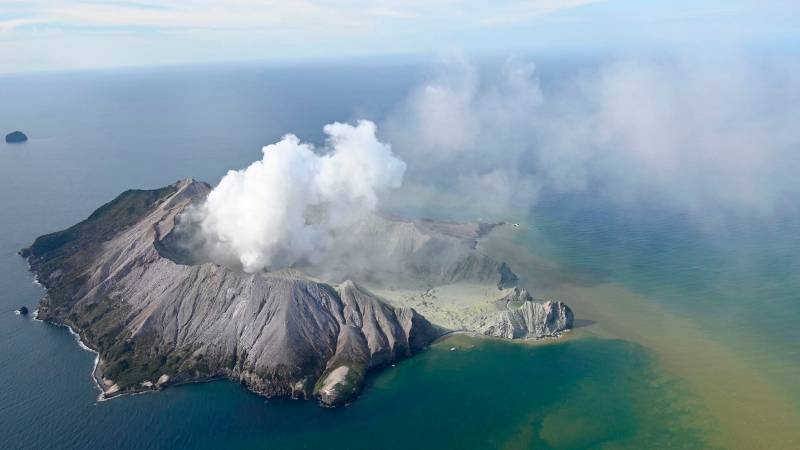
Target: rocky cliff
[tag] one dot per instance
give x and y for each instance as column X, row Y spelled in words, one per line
column 519, row 316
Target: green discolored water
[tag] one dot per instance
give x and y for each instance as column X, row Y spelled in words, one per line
column 588, row 393
column 717, row 307
column 738, row 281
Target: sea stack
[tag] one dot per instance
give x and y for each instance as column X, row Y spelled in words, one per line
column 16, row 137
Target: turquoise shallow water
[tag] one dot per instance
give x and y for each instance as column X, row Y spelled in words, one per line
column 95, row 135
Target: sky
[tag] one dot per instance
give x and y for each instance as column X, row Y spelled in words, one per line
column 47, row 35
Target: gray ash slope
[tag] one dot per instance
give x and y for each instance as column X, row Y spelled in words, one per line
column 156, row 322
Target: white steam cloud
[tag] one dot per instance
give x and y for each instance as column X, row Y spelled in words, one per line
column 288, row 208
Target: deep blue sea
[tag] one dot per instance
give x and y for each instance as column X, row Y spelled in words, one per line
column 687, row 339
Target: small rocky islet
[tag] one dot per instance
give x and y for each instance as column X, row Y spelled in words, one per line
column 156, row 319
column 16, row 137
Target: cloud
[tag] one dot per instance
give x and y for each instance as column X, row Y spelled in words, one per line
column 519, row 12
column 71, row 34
column 289, row 207
column 7, row 26
column 711, row 137
column 258, row 14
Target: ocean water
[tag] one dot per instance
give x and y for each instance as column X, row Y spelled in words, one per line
column 686, row 339
column 718, row 307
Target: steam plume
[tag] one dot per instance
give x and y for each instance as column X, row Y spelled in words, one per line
column 288, row 207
